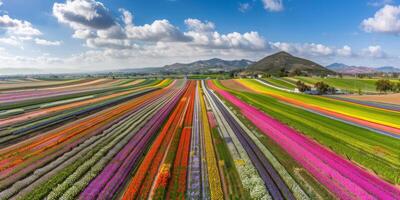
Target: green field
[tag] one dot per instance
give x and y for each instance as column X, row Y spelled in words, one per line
column 281, row 82
column 366, row 113
column 376, row 152
column 349, row 84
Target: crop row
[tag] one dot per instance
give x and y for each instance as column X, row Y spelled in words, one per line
column 377, row 152
column 326, row 166
column 34, row 163
column 191, row 139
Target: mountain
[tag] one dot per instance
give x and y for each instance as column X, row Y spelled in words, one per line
column 214, row 64
column 388, row 69
column 337, row 67
column 273, row 64
column 346, row 69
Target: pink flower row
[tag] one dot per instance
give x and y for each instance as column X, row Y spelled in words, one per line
column 343, row 178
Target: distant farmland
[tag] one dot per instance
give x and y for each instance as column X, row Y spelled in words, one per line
column 349, row 84
column 103, row 138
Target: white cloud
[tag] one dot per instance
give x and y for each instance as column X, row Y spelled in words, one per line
column 306, row 49
column 199, row 34
column 18, row 27
column 114, row 32
column 244, row 7
column 204, row 34
column 159, row 30
column 273, row 5
column 199, row 26
column 385, row 20
column 83, row 14
column 345, row 51
column 13, row 41
column 18, row 31
column 87, row 18
column 47, row 42
column 120, row 42
column 374, row 52
column 84, row 34
column 126, row 16
column 109, row 43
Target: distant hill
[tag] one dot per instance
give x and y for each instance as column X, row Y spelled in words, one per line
column 337, row 67
column 347, row 69
column 273, row 64
column 214, row 64
column 388, row 69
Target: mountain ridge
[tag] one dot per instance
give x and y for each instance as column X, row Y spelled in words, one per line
column 348, row 69
column 275, row 63
column 213, row 64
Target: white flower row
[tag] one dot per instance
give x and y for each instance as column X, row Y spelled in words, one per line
column 247, row 172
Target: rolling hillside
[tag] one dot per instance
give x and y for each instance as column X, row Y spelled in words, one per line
column 347, row 69
column 211, row 65
column 273, row 64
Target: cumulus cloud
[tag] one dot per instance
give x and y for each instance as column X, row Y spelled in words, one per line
column 273, row 5
column 374, row 51
column 80, row 15
column 47, row 42
column 385, row 20
column 124, row 42
column 204, row 34
column 306, row 49
column 12, row 41
column 18, row 31
column 89, row 19
column 199, row 26
column 109, row 43
column 126, row 16
column 83, row 14
column 84, row 34
column 159, row 30
column 18, row 27
column 345, row 51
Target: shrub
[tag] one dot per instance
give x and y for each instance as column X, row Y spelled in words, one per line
column 384, row 85
column 302, row 86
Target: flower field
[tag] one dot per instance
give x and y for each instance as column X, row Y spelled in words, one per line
column 99, row 138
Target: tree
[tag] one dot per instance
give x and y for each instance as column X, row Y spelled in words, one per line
column 383, row 85
column 323, row 88
column 331, row 90
column 283, row 72
column 231, row 74
column 296, row 72
column 302, row 86
column 359, row 91
column 396, row 87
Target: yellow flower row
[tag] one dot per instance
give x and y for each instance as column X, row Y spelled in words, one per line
column 212, row 167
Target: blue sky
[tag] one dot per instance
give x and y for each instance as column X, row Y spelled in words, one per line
column 85, row 35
